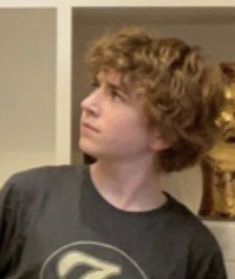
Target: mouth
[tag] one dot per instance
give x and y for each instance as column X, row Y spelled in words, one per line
column 86, row 126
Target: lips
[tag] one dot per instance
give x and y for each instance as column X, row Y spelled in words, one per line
column 90, row 127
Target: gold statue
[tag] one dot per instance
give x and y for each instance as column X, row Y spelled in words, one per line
column 218, row 166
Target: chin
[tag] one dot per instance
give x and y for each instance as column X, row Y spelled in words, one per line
column 86, row 148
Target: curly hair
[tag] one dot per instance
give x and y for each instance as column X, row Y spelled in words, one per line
column 183, row 93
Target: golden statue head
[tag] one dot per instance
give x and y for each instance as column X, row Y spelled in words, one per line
column 218, row 166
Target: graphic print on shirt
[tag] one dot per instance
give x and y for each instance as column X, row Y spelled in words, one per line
column 90, row 260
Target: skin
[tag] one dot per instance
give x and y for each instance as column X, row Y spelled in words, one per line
column 122, row 144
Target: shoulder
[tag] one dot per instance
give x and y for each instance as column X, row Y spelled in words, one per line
column 44, row 173
column 204, row 254
column 191, row 227
column 34, row 182
column 41, row 173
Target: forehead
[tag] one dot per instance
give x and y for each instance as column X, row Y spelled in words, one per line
column 111, row 76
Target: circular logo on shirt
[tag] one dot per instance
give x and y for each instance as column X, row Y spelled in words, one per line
column 90, row 260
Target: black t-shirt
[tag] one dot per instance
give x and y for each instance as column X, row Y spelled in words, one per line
column 55, row 224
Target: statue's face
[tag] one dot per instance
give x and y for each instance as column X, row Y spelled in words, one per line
column 223, row 154
column 219, row 166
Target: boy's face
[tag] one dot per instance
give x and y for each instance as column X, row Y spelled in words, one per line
column 114, row 112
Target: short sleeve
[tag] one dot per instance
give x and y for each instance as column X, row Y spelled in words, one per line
column 205, row 258
column 11, row 237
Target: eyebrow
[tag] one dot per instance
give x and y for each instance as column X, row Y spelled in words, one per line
column 119, row 88
column 114, row 86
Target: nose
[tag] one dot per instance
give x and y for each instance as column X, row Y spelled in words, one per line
column 90, row 104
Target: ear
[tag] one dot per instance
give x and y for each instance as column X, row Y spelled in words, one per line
column 157, row 143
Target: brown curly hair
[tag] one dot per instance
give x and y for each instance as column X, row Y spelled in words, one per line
column 183, row 93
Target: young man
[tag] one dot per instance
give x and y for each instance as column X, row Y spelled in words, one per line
column 152, row 111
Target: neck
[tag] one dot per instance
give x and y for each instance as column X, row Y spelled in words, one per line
column 128, row 186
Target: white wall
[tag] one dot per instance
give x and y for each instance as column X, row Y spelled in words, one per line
column 27, row 89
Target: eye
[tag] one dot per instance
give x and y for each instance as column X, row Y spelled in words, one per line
column 94, row 84
column 115, row 95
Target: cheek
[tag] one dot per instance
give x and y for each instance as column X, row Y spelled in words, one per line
column 126, row 129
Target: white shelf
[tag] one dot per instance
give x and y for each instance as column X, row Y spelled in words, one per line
column 63, row 86
column 115, row 3
column 29, row 3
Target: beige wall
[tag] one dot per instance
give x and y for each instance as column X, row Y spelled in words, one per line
column 27, row 88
